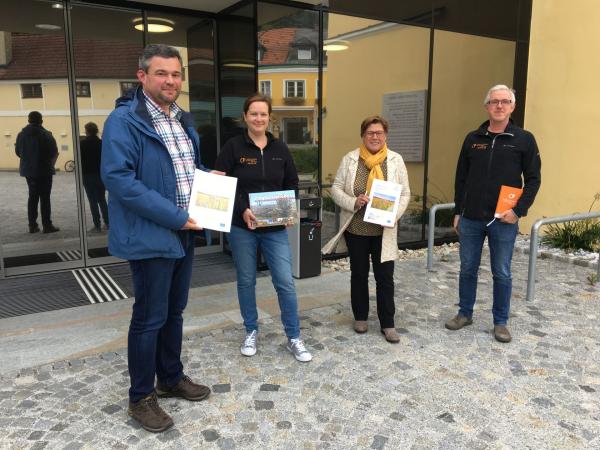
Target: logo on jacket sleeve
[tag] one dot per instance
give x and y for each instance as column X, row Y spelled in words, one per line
column 249, row 161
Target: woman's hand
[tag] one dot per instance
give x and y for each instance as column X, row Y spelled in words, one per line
column 249, row 219
column 361, row 201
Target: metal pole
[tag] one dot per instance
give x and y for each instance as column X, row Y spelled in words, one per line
column 431, row 231
column 533, row 245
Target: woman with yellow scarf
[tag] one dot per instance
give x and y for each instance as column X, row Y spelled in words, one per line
column 366, row 241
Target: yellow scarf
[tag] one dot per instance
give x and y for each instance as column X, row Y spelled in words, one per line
column 373, row 162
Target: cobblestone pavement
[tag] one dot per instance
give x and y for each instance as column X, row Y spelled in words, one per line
column 436, row 389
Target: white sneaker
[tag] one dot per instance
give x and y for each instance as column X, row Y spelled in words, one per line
column 296, row 346
column 248, row 347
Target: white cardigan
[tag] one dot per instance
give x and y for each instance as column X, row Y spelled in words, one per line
column 343, row 195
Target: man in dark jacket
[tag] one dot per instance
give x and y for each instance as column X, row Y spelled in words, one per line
column 150, row 151
column 91, row 151
column 498, row 153
column 38, row 152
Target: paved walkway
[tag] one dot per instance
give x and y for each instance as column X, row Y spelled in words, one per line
column 64, row 374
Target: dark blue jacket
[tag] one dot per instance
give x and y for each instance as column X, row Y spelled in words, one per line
column 37, row 150
column 138, row 173
column 487, row 162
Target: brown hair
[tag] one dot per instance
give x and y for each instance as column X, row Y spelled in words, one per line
column 370, row 121
column 257, row 98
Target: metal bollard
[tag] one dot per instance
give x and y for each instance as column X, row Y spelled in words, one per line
column 534, row 242
column 431, row 231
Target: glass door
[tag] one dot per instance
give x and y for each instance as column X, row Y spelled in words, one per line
column 39, row 219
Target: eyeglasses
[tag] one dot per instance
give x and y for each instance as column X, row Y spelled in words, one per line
column 503, row 102
column 375, row 133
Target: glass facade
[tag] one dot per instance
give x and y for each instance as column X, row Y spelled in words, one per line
column 425, row 65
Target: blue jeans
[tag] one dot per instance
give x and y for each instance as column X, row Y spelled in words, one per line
column 161, row 287
column 501, row 240
column 96, row 194
column 276, row 249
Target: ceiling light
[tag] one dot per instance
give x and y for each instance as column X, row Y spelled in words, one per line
column 57, row 5
column 239, row 65
column 47, row 26
column 335, row 45
column 155, row 25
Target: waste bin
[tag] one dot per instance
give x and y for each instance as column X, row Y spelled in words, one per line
column 305, row 238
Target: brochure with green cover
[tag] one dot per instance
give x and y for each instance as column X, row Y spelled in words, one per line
column 274, row 208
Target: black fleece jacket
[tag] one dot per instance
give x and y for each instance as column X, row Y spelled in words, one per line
column 271, row 169
column 488, row 161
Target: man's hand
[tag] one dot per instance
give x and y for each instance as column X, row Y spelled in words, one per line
column 191, row 225
column 361, row 201
column 249, row 218
column 455, row 224
column 508, row 217
column 217, row 172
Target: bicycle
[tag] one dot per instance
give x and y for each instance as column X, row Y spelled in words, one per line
column 70, row 166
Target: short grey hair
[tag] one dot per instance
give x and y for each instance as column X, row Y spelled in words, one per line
column 160, row 50
column 500, row 87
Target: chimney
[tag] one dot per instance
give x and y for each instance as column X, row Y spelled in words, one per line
column 5, row 48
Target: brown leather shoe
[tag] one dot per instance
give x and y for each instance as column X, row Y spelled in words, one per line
column 186, row 388
column 391, row 335
column 456, row 323
column 150, row 415
column 360, row 326
column 502, row 334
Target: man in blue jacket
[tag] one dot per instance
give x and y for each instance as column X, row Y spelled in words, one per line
column 150, row 151
column 497, row 153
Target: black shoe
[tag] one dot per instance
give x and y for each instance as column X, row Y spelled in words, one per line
column 186, row 388
column 150, row 415
column 51, row 229
column 34, row 229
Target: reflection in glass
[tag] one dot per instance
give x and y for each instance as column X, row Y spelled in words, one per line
column 288, row 70
column 193, row 37
column 381, row 68
column 38, row 203
column 106, row 48
column 457, row 82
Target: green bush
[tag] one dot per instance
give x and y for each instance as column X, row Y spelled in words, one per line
column 580, row 234
column 328, row 204
column 443, row 217
column 306, row 158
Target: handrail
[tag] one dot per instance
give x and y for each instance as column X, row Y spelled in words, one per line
column 431, row 231
column 534, row 241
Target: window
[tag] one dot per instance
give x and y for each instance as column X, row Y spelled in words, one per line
column 83, row 89
column 260, row 53
column 265, row 87
column 126, row 86
column 294, row 88
column 304, row 53
column 31, row 90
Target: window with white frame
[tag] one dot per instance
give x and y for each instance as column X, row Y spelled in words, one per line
column 83, row 89
column 265, row 87
column 294, row 88
column 31, row 90
column 126, row 86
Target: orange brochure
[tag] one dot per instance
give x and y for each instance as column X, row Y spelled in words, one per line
column 507, row 199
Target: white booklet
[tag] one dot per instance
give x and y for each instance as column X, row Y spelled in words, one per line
column 383, row 204
column 211, row 200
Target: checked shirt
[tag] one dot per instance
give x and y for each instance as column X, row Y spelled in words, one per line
column 178, row 143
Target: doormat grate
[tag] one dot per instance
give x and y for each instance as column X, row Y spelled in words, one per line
column 49, row 292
